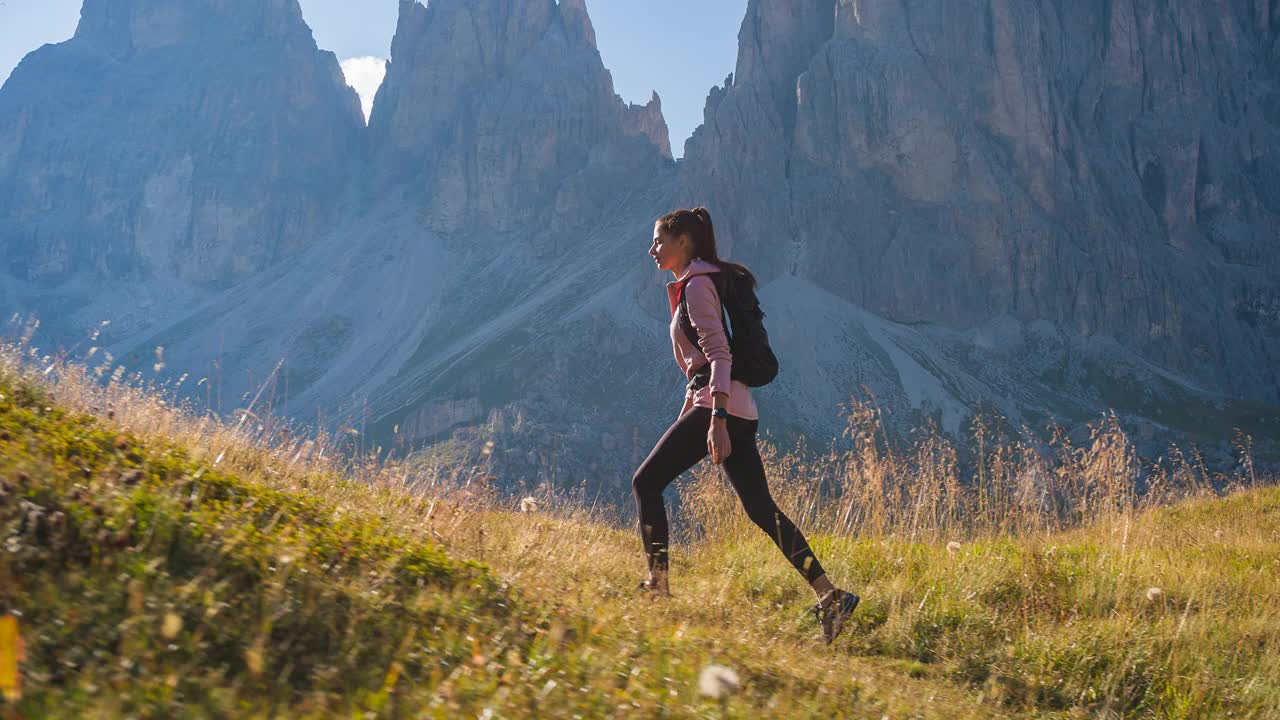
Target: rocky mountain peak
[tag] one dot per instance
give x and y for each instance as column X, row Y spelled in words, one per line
column 444, row 55
column 489, row 106
column 777, row 42
column 141, row 24
column 647, row 120
column 1003, row 204
column 982, row 158
column 200, row 140
column 577, row 22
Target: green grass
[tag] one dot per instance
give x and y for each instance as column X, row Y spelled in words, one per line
column 269, row 597
column 153, row 585
column 154, row 581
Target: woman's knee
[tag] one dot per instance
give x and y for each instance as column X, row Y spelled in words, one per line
column 643, row 482
column 767, row 517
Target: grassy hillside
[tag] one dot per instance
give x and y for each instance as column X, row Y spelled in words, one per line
column 168, row 565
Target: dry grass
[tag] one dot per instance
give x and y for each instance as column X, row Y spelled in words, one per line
column 1004, row 578
column 1017, row 485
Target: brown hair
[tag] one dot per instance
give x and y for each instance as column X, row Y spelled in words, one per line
column 696, row 223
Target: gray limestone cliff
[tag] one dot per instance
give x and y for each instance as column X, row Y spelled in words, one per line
column 1050, row 209
column 500, row 113
column 1109, row 166
column 200, row 140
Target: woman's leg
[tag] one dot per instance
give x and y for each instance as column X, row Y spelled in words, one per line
column 746, row 472
column 681, row 447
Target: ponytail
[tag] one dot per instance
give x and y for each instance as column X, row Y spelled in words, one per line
column 696, row 223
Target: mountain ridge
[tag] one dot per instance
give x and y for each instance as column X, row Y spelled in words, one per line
column 1010, row 232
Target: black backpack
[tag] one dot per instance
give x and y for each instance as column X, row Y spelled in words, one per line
column 754, row 363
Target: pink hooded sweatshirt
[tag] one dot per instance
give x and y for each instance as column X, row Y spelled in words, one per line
column 704, row 312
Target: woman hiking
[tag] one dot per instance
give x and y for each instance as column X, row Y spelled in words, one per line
column 719, row 415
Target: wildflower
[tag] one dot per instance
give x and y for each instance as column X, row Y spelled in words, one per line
column 718, row 681
column 1154, row 594
column 529, row 504
column 12, row 653
column 953, row 547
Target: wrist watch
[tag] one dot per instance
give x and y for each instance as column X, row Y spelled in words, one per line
column 721, row 413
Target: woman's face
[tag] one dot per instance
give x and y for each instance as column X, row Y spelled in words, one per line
column 669, row 252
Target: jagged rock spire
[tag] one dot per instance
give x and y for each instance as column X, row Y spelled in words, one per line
column 133, row 160
column 776, row 44
column 648, row 120
column 158, row 23
column 490, row 105
column 577, row 21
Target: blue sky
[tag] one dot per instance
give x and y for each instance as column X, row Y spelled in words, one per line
column 676, row 47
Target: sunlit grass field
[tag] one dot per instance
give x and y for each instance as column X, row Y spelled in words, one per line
column 161, row 563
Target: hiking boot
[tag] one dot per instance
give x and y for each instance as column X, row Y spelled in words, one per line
column 832, row 610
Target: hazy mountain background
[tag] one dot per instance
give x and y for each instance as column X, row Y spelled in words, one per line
column 1042, row 208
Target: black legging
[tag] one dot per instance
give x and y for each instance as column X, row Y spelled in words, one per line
column 683, row 446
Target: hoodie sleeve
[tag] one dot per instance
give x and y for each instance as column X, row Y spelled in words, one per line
column 704, row 313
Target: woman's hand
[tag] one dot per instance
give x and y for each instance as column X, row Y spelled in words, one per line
column 718, row 441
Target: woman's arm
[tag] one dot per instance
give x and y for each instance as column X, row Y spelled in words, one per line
column 704, row 313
